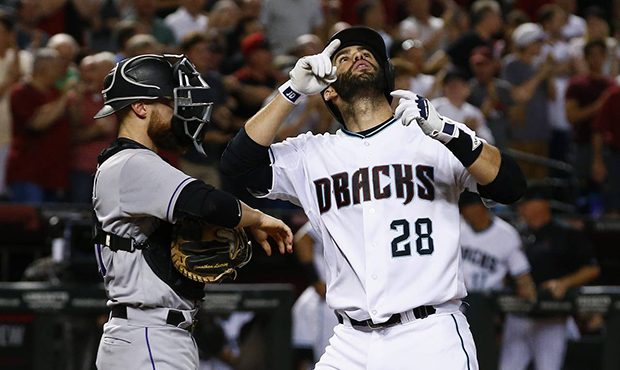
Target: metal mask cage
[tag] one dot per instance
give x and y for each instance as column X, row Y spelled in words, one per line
column 192, row 101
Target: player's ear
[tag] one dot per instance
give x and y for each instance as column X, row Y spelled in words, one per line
column 329, row 94
column 139, row 109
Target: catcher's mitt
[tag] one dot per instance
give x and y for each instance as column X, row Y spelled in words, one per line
column 207, row 253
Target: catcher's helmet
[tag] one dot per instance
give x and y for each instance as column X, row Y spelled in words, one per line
column 152, row 77
column 372, row 40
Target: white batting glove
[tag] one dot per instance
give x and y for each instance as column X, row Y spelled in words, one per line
column 414, row 107
column 311, row 74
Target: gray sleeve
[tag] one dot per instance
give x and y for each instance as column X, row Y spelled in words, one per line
column 150, row 186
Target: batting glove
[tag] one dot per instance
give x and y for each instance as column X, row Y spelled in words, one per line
column 311, row 74
column 413, row 107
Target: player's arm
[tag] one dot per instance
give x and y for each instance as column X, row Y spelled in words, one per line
column 202, row 201
column 247, row 155
column 526, row 288
column 498, row 176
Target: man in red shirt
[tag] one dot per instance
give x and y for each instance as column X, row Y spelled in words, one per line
column 606, row 150
column 39, row 158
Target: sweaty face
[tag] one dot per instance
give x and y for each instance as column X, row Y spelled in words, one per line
column 160, row 128
column 359, row 74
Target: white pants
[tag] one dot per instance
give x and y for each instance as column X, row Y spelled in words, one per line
column 439, row 342
column 128, row 344
column 540, row 339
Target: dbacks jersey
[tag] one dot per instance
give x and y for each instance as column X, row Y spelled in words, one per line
column 386, row 207
column 491, row 253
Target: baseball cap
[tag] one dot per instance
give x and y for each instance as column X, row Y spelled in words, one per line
column 481, row 54
column 253, row 42
column 404, row 45
column 527, row 34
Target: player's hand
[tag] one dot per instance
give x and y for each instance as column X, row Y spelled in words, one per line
column 276, row 229
column 557, row 288
column 321, row 288
column 313, row 73
column 413, row 107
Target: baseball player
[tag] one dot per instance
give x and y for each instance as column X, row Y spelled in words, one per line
column 313, row 320
column 383, row 195
column 491, row 248
column 137, row 197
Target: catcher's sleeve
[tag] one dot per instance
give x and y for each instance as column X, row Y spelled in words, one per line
column 247, row 161
column 203, row 201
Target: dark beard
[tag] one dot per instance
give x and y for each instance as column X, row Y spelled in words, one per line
column 368, row 84
column 161, row 134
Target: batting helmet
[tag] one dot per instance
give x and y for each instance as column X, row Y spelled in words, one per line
column 152, row 77
column 372, row 40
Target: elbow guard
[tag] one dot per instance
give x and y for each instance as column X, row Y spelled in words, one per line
column 202, row 201
column 509, row 184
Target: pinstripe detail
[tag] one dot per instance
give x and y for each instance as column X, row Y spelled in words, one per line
column 461, row 338
column 148, row 345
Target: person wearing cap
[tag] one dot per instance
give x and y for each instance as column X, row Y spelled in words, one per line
column 411, row 51
column 491, row 251
column 532, row 85
column 491, row 94
column 561, row 258
column 454, row 104
column 382, row 195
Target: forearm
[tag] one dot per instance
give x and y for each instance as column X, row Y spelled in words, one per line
column 486, row 167
column 45, row 116
column 583, row 276
column 575, row 114
column 264, row 125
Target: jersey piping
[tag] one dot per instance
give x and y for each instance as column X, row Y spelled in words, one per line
column 370, row 132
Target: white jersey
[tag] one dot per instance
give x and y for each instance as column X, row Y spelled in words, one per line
column 385, row 205
column 490, row 254
column 134, row 190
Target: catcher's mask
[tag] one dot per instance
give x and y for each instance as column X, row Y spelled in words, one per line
column 372, row 40
column 152, row 77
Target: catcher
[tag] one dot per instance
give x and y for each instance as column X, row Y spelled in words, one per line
column 159, row 234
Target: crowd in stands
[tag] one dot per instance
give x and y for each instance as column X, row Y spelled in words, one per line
column 536, row 77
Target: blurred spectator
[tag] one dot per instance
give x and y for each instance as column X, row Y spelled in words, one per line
column 584, row 98
column 29, row 34
column 187, row 18
column 420, row 24
column 597, row 29
column 486, row 21
column 307, row 44
column 142, row 44
column 532, row 85
column 561, row 258
column 454, row 104
column 197, row 48
column 606, row 150
column 14, row 65
column 285, row 20
column 575, row 26
column 224, row 16
column 411, row 51
column 123, row 31
column 256, row 80
column 313, row 320
column 89, row 136
column 67, row 49
column 144, row 12
column 491, row 94
column 39, row 159
column 553, row 18
column 371, row 13
column 514, row 19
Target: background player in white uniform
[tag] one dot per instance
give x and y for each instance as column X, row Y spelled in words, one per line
column 313, row 320
column 491, row 248
column 137, row 196
column 383, row 195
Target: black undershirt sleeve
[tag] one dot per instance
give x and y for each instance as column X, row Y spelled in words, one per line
column 247, row 161
column 509, row 184
column 202, row 201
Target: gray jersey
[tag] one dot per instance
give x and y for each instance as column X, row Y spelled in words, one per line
column 134, row 191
